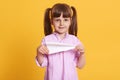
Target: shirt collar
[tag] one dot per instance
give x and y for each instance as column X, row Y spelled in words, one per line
column 56, row 34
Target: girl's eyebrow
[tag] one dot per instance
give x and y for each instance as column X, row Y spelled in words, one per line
column 56, row 18
column 59, row 17
column 66, row 18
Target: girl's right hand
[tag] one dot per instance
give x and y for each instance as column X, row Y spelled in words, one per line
column 42, row 49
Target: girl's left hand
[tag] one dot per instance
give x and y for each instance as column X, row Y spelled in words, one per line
column 79, row 48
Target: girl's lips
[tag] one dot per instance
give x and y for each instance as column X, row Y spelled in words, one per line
column 61, row 27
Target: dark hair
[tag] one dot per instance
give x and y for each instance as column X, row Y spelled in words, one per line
column 56, row 11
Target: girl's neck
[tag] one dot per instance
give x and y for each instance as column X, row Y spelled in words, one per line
column 61, row 35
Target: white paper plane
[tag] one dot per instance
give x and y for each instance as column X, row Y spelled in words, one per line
column 54, row 47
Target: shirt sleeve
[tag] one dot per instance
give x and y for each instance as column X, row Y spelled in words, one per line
column 45, row 59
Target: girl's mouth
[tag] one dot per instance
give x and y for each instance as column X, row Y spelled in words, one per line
column 61, row 27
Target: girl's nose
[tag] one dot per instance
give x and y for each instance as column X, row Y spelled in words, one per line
column 61, row 22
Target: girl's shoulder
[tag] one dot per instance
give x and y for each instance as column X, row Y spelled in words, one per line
column 73, row 36
column 74, row 39
column 49, row 37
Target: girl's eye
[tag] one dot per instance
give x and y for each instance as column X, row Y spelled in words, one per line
column 57, row 20
column 66, row 19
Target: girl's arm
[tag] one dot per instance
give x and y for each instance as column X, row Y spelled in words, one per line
column 41, row 50
column 39, row 58
column 81, row 58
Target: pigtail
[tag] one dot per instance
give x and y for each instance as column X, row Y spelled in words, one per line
column 73, row 27
column 47, row 22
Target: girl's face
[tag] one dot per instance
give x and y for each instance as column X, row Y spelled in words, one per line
column 61, row 24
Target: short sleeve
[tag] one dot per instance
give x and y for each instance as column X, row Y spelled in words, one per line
column 43, row 41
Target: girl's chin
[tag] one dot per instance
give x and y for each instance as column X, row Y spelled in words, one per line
column 61, row 32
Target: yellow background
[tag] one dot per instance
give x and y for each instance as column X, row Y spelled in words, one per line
column 21, row 30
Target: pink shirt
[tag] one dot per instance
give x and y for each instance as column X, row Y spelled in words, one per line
column 62, row 65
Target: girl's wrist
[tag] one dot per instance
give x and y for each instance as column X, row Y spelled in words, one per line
column 80, row 53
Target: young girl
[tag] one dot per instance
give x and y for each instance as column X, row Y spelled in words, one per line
column 62, row 65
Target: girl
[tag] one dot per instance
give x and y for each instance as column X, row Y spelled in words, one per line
column 62, row 65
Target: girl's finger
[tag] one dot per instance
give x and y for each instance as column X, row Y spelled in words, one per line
column 44, row 49
column 41, row 50
column 79, row 48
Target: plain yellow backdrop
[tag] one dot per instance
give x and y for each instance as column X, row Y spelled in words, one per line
column 21, row 30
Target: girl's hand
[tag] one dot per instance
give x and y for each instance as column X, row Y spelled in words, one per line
column 79, row 48
column 42, row 49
